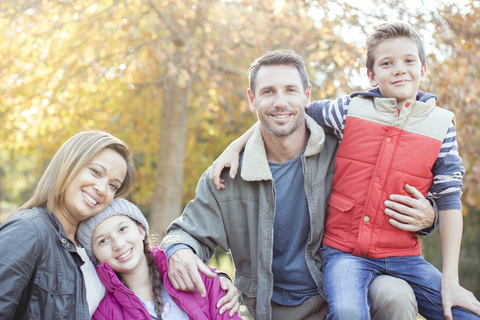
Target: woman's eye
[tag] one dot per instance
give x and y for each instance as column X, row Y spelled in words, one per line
column 114, row 187
column 123, row 229
column 95, row 172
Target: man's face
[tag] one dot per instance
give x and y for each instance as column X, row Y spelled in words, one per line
column 398, row 69
column 279, row 99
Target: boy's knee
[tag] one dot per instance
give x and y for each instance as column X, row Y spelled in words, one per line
column 391, row 298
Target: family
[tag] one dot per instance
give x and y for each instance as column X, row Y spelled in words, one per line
column 322, row 219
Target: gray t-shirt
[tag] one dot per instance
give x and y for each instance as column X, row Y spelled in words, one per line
column 293, row 283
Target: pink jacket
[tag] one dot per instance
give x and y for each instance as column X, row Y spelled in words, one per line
column 121, row 303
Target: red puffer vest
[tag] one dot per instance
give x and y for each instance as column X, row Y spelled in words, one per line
column 381, row 151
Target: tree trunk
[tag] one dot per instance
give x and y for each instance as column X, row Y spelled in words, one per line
column 167, row 196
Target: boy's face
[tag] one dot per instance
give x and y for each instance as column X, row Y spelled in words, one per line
column 398, row 69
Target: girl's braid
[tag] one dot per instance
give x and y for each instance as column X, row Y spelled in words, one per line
column 155, row 277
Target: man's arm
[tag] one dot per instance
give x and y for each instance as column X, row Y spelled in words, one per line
column 201, row 229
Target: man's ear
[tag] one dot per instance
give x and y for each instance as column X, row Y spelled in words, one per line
column 308, row 95
column 372, row 78
column 423, row 73
column 251, row 100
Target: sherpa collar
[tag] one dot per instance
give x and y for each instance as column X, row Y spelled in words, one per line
column 255, row 165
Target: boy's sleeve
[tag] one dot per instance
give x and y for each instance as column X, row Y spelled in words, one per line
column 330, row 114
column 448, row 174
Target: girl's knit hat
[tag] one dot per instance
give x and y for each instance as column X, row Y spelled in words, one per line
column 117, row 207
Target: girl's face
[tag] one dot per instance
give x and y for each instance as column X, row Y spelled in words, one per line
column 118, row 241
column 94, row 186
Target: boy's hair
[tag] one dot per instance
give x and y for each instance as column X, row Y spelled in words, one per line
column 277, row 58
column 391, row 30
column 72, row 156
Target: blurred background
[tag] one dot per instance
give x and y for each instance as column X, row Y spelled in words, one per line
column 169, row 78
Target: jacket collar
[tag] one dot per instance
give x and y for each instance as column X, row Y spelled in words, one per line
column 255, row 164
column 108, row 277
column 61, row 234
column 375, row 93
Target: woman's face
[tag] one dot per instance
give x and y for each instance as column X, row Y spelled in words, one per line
column 118, row 241
column 94, row 186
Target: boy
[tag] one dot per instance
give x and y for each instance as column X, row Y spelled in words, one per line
column 392, row 136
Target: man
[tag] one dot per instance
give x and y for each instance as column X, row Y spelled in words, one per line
column 271, row 218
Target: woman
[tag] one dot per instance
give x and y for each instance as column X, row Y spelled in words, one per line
column 41, row 265
column 135, row 274
column 44, row 274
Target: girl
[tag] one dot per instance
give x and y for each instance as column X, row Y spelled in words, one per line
column 135, row 274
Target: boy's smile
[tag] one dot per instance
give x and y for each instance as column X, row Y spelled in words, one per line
column 398, row 69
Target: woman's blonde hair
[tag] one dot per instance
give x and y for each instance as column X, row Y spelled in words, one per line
column 72, row 156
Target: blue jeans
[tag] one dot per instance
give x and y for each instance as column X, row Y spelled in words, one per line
column 347, row 278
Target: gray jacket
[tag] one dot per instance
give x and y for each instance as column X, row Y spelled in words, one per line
column 40, row 276
column 240, row 218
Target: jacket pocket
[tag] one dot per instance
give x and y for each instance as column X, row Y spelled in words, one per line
column 53, row 294
column 339, row 216
column 248, row 287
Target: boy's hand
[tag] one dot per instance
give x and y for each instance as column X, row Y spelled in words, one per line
column 455, row 295
column 413, row 213
column 226, row 160
column 183, row 270
column 230, row 300
column 229, row 159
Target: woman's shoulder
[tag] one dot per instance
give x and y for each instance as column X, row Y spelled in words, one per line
column 36, row 215
column 32, row 220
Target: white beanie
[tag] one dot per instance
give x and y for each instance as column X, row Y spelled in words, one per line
column 117, row 207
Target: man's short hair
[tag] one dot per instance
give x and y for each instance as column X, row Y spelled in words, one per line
column 391, row 30
column 277, row 58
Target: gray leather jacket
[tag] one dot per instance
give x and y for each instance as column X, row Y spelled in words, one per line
column 40, row 276
column 240, row 218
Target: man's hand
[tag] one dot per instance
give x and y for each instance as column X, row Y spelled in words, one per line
column 183, row 268
column 413, row 213
column 230, row 300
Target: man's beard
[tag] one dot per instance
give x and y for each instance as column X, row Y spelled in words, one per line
column 281, row 131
